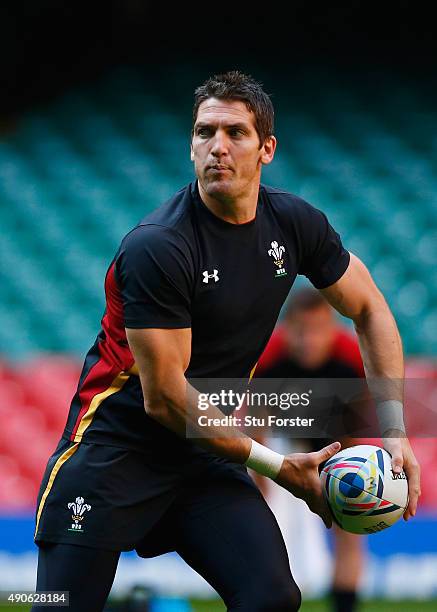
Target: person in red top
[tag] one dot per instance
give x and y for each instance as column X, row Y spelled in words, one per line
column 344, row 347
column 310, row 343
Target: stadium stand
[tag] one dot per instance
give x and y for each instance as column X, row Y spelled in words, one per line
column 35, row 395
column 77, row 174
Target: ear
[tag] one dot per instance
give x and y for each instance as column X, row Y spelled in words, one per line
column 268, row 150
column 191, row 151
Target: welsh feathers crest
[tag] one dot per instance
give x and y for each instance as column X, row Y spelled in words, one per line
column 79, row 508
column 276, row 252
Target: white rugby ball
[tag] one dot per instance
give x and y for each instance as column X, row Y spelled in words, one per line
column 363, row 493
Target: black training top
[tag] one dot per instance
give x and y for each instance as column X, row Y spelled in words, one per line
column 182, row 266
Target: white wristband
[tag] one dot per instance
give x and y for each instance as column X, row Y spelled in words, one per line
column 390, row 415
column 264, row 461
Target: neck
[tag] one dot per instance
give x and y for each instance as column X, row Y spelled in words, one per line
column 238, row 210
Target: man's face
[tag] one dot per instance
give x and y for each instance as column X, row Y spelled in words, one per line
column 310, row 335
column 226, row 149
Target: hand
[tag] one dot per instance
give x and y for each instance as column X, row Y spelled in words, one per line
column 402, row 457
column 299, row 474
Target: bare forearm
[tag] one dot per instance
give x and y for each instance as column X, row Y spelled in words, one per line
column 162, row 357
column 357, row 297
column 380, row 343
column 178, row 411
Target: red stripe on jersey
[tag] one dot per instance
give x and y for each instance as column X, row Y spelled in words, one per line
column 115, row 354
column 115, row 346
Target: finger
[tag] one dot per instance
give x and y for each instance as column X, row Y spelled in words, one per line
column 394, row 447
column 397, row 459
column 319, row 506
column 397, row 463
column 413, row 475
column 325, row 513
column 327, row 452
column 326, row 517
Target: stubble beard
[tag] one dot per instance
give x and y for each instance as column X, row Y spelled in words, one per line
column 224, row 190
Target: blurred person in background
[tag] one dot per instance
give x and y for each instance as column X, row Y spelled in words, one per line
column 310, row 343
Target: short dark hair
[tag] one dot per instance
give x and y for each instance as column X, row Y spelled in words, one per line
column 234, row 85
column 303, row 300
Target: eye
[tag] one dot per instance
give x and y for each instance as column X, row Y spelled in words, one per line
column 203, row 132
column 236, row 132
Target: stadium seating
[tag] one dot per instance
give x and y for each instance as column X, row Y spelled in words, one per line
column 35, row 396
column 78, row 173
column 34, row 401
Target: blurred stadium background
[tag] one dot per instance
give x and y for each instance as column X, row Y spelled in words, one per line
column 95, row 119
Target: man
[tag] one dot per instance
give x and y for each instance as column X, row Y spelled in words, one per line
column 311, row 344
column 194, row 291
column 310, row 337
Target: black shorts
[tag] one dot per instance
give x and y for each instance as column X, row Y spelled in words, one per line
column 219, row 523
column 111, row 498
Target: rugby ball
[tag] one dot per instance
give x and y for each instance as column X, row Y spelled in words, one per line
column 362, row 492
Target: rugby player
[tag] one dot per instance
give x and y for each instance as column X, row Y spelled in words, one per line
column 194, row 291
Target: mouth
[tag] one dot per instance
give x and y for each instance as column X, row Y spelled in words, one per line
column 219, row 168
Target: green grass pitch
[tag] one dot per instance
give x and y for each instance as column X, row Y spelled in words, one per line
column 310, row 606
column 323, row 606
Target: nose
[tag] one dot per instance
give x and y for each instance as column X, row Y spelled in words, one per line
column 219, row 144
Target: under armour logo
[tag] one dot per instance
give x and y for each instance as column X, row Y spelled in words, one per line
column 207, row 276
